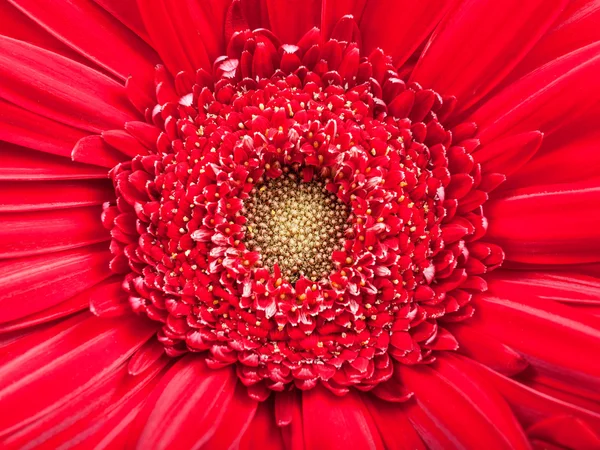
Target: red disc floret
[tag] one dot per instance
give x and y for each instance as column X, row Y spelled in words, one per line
column 408, row 259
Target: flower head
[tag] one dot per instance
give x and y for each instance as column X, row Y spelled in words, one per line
column 306, row 218
column 297, row 242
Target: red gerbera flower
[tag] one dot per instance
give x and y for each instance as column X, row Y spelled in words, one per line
column 281, row 224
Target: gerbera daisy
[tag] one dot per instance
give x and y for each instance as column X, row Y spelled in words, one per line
column 268, row 224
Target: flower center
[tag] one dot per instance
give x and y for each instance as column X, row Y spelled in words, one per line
column 296, row 225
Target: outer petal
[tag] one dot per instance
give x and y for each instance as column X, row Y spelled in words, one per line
column 176, row 35
column 392, row 422
column 240, row 416
column 82, row 419
column 288, row 413
column 544, row 100
column 561, row 390
column 566, row 287
column 63, row 309
column 567, row 428
column 333, row 10
column 21, row 127
column 28, row 285
column 262, row 432
column 399, row 27
column 452, row 399
column 256, row 13
column 45, row 195
column 94, row 33
column 32, row 233
column 576, row 27
column 332, row 422
column 567, row 156
column 565, row 431
column 110, row 299
column 479, row 42
column 558, row 340
column 94, row 150
column 531, row 406
column 187, row 406
column 557, row 224
column 60, row 89
column 21, row 164
column 488, row 350
column 209, row 22
column 17, row 25
column 128, row 13
column 292, row 18
column 46, row 370
column 434, row 436
column 509, row 154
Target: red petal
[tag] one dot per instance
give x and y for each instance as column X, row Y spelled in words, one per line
column 19, row 163
column 576, row 27
column 17, row 25
column 187, row 405
column 256, row 13
column 284, row 407
column 487, row 350
column 109, row 299
column 444, row 340
column 128, row 13
column 402, row 104
column 478, row 44
column 262, row 62
column 558, row 340
column 392, row 422
column 452, row 399
column 568, row 392
column 62, row 309
column 509, row 154
column 547, row 224
column 94, row 33
column 461, row 373
column 566, row 431
column 145, row 133
column 93, row 150
column 48, row 369
column 29, row 285
column 124, row 142
column 293, row 434
column 567, row 156
column 333, row 10
column 530, row 405
column 545, row 99
column 240, row 415
column 42, row 195
column 207, row 20
column 22, row 127
column 112, row 398
column 337, row 422
column 139, row 96
column 291, row 19
column 32, row 233
column 61, row 89
column 112, row 430
column 434, row 436
column 399, row 27
column 261, row 433
column 145, row 357
column 174, row 35
column 564, row 287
